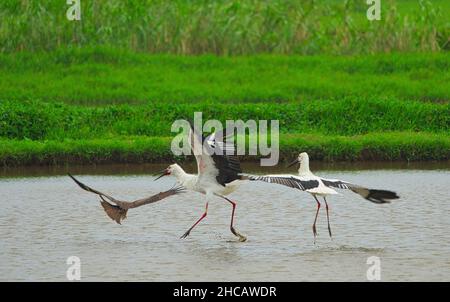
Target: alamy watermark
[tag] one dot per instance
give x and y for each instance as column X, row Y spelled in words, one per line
column 73, row 272
column 374, row 271
column 374, row 10
column 257, row 134
column 73, row 13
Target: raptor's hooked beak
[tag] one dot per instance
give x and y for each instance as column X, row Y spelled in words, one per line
column 163, row 173
column 296, row 161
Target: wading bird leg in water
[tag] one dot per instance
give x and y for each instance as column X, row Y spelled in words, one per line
column 328, row 218
column 242, row 238
column 308, row 182
column 315, row 219
column 198, row 221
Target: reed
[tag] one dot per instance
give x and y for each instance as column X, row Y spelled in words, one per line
column 227, row 27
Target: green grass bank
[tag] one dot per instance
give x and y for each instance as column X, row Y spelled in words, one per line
column 98, row 105
column 38, row 120
column 389, row 146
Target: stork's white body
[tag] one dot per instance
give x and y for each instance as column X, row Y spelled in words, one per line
column 320, row 190
column 218, row 175
column 204, row 185
column 305, row 174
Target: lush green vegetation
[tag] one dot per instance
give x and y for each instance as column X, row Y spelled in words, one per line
column 373, row 146
column 334, row 107
column 49, row 121
column 96, row 76
column 107, row 88
column 226, row 27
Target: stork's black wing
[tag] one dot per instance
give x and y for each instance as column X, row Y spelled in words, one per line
column 373, row 195
column 286, row 180
column 217, row 156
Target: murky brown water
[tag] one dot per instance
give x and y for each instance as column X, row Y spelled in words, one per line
column 44, row 220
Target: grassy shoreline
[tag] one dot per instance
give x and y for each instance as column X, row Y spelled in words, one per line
column 389, row 146
column 98, row 105
column 39, row 120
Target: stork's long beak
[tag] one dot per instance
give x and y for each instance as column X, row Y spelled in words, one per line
column 163, row 173
column 293, row 163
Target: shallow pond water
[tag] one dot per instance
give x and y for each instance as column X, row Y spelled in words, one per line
column 45, row 218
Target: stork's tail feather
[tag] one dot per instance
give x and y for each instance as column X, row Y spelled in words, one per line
column 381, row 196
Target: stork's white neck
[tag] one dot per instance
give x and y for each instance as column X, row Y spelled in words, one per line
column 177, row 171
column 304, row 166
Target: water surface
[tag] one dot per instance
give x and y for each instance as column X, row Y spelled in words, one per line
column 45, row 219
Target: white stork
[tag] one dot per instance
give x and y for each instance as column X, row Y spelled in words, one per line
column 218, row 173
column 317, row 186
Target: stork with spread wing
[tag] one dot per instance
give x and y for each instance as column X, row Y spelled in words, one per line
column 117, row 209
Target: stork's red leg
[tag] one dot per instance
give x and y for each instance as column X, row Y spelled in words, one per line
column 315, row 219
column 198, row 221
column 242, row 238
column 328, row 217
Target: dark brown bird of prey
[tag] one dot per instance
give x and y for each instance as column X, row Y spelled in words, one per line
column 118, row 212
